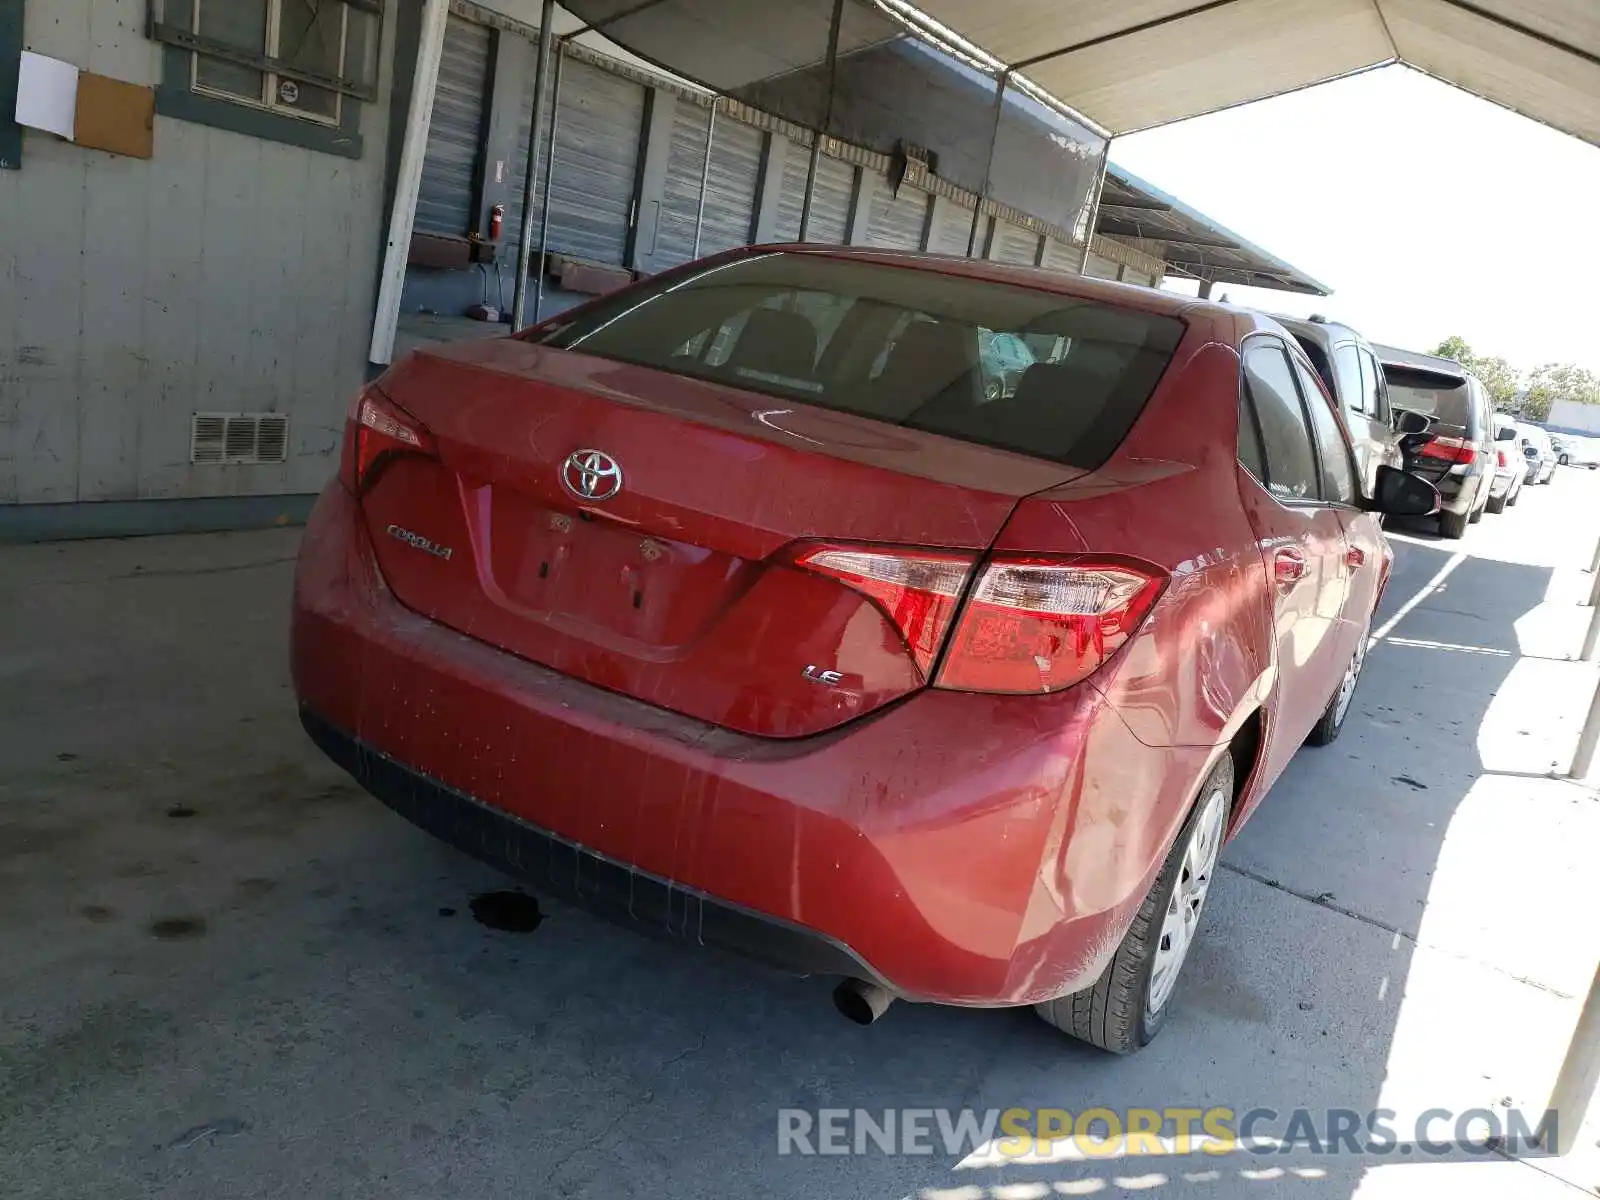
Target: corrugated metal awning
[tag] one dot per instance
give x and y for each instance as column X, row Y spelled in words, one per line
column 1188, row 241
column 1132, row 64
column 1140, row 63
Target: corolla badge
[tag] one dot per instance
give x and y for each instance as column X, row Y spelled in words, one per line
column 427, row 545
column 591, row 475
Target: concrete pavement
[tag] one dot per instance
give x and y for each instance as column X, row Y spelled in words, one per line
column 224, row 971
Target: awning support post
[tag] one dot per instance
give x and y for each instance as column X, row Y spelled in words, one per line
column 519, row 296
column 549, row 174
column 1205, row 289
column 988, row 163
column 826, row 123
column 403, row 212
column 705, row 178
column 1094, row 210
column 1575, row 1087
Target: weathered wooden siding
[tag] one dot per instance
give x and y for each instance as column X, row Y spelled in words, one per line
column 226, row 273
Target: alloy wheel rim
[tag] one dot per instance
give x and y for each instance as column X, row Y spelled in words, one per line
column 1188, row 900
column 1347, row 685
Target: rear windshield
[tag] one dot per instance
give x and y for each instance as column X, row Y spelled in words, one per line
column 1448, row 398
column 1054, row 376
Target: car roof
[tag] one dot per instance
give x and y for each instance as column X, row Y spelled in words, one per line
column 1393, row 356
column 1326, row 332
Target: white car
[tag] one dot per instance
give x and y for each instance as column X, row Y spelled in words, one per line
column 1510, row 469
column 1537, row 453
column 1584, row 451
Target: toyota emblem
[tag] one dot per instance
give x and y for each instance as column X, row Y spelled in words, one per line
column 591, row 475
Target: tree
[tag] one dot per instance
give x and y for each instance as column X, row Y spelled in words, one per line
column 1499, row 379
column 1455, row 348
column 1559, row 381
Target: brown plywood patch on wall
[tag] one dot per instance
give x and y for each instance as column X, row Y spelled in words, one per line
column 115, row 116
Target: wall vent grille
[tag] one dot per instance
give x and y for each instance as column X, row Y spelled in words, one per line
column 245, row 438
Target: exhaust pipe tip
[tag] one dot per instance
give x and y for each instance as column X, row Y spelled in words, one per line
column 861, row 1002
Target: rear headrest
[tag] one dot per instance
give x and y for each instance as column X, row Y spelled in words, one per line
column 775, row 343
column 928, row 357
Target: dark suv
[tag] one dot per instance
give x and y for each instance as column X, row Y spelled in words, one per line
column 1350, row 370
column 1456, row 453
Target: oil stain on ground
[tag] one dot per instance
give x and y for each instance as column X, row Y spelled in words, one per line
column 512, row 912
column 178, row 929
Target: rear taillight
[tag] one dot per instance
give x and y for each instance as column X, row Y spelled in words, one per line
column 378, row 431
column 1501, row 460
column 1039, row 625
column 1449, row 449
column 1029, row 625
column 918, row 590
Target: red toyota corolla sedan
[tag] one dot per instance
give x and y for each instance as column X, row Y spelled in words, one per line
column 734, row 606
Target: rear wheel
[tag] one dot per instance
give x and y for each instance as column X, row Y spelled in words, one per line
column 1511, row 496
column 1452, row 525
column 1126, row 1007
column 1331, row 723
column 1497, row 504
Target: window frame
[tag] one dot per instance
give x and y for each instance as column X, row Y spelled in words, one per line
column 1316, row 442
column 272, row 78
column 179, row 95
column 1317, row 501
column 1369, row 360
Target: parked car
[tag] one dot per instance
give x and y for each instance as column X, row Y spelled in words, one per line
column 1456, row 452
column 1509, row 469
column 1538, row 453
column 1003, row 357
column 1563, row 451
column 1584, row 451
column 1346, row 364
column 793, row 642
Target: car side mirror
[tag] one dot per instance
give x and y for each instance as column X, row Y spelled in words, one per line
column 1408, row 422
column 1398, row 493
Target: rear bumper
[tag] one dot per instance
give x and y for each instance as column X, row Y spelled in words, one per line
column 1500, row 485
column 962, row 849
column 558, row 867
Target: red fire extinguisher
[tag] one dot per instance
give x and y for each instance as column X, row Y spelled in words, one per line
column 497, row 220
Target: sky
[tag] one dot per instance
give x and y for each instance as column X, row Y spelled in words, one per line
column 1426, row 210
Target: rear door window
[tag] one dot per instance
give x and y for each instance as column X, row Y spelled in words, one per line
column 1290, row 461
column 1333, row 450
column 896, row 344
column 1347, row 362
column 1374, row 392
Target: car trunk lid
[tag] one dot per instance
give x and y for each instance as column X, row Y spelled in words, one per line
column 681, row 586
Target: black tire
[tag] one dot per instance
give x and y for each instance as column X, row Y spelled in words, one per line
column 1113, row 1013
column 1513, row 495
column 1452, row 525
column 1477, row 514
column 1497, row 504
column 1331, row 723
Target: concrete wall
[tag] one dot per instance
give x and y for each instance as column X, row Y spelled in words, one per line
column 227, row 273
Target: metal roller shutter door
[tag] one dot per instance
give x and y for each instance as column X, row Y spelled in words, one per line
column 952, row 225
column 1101, row 268
column 731, row 185
column 1014, row 244
column 455, row 131
column 1062, row 256
column 680, row 196
column 830, row 202
column 599, row 117
column 896, row 223
column 518, row 166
